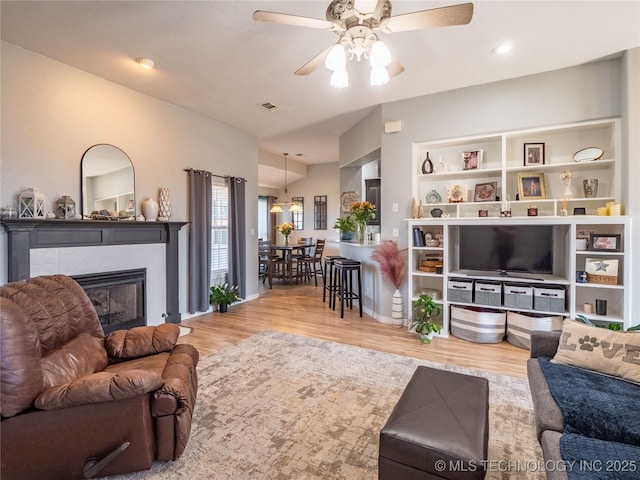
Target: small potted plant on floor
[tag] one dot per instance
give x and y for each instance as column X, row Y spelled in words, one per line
column 224, row 295
column 347, row 226
column 424, row 309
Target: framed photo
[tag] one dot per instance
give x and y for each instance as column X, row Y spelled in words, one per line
column 602, row 270
column 485, row 192
column 533, row 154
column 531, row 186
column 472, row 159
column 604, row 242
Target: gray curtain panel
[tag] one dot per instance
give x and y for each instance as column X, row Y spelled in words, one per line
column 199, row 239
column 237, row 235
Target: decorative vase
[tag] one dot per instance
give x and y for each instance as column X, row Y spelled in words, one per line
column 396, row 308
column 590, row 186
column 150, row 209
column 427, row 165
column 567, row 188
column 164, row 202
column 286, row 240
column 346, row 236
column 362, row 233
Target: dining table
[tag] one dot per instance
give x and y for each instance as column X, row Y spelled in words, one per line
column 286, row 252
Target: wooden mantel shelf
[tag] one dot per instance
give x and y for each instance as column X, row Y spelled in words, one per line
column 25, row 234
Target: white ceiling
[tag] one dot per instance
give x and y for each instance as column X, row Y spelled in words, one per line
column 213, row 59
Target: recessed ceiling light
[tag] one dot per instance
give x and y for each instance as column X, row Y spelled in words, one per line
column 502, row 49
column 145, row 62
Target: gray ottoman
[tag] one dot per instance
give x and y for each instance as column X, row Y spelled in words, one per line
column 438, row 429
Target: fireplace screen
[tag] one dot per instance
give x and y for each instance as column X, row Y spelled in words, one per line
column 118, row 297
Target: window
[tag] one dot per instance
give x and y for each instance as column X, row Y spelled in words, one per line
column 263, row 218
column 297, row 218
column 219, row 231
column 320, row 212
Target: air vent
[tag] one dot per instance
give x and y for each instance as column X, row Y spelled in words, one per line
column 269, row 106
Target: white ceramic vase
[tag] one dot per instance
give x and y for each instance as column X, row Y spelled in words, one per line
column 150, row 209
column 396, row 309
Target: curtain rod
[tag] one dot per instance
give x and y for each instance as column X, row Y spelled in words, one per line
column 215, row 175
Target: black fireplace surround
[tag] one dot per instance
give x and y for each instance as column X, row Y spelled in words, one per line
column 25, row 234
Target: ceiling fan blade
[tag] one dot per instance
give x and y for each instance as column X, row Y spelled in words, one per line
column 295, row 20
column 314, row 63
column 394, row 68
column 437, row 17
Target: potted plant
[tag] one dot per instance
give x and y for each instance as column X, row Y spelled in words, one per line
column 224, row 295
column 393, row 267
column 423, row 311
column 346, row 225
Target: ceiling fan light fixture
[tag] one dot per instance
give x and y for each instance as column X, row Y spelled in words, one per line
column 379, row 76
column 336, row 59
column 339, row 79
column 380, row 55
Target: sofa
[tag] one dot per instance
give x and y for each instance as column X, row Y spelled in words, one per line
column 78, row 404
column 585, row 387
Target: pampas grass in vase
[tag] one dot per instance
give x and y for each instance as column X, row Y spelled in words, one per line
column 393, row 267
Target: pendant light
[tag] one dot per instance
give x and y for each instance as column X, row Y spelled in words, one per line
column 294, row 207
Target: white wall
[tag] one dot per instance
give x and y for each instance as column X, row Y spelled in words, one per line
column 52, row 113
column 361, row 139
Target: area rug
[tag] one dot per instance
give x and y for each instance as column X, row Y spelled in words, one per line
column 287, row 407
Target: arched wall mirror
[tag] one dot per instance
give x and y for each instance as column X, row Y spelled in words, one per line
column 108, row 181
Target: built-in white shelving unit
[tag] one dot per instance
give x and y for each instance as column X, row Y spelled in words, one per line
column 502, row 161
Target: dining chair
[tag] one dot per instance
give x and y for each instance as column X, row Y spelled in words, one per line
column 308, row 264
column 264, row 261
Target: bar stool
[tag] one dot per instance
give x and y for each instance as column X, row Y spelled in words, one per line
column 327, row 276
column 343, row 273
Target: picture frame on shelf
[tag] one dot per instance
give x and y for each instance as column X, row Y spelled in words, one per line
column 531, row 186
column 604, row 242
column 485, row 192
column 471, row 159
column 602, row 270
column 533, row 154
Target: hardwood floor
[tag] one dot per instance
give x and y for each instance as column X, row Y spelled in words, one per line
column 299, row 310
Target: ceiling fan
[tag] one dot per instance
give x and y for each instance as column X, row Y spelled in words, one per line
column 357, row 25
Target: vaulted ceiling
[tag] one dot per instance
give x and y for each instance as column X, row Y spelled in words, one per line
column 214, row 59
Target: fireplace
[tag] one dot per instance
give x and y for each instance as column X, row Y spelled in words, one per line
column 77, row 247
column 118, row 297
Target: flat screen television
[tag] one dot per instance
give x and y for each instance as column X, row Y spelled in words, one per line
column 507, row 248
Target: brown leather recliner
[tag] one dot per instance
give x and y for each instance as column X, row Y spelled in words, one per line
column 77, row 404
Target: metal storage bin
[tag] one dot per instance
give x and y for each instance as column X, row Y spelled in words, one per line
column 460, row 291
column 488, row 293
column 518, row 296
column 549, row 299
column 520, row 326
column 479, row 325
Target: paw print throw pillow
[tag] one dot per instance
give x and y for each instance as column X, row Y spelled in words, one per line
column 600, row 349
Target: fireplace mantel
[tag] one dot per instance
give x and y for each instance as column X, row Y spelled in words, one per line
column 26, row 234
